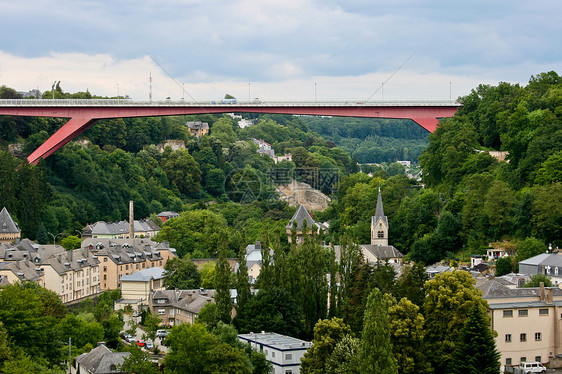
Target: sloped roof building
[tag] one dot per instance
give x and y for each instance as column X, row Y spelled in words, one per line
column 9, row 230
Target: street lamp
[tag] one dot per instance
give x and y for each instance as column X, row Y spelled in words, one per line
column 79, row 232
column 314, row 91
column 54, row 236
column 182, row 92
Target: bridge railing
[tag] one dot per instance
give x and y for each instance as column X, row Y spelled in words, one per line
column 219, row 103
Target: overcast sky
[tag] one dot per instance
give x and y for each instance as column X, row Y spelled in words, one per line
column 283, row 49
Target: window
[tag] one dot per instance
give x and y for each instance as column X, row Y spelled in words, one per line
column 523, row 359
column 538, row 358
column 105, row 268
column 507, row 313
column 288, row 356
column 104, row 277
column 137, row 266
column 523, row 312
column 543, row 312
column 288, row 372
column 272, row 353
column 126, row 267
column 105, row 259
column 523, row 337
column 538, row 336
column 161, row 311
column 380, row 234
column 508, row 361
column 508, row 338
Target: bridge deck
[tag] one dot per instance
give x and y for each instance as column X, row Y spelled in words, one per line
column 84, row 113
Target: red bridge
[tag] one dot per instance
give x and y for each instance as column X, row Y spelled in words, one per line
column 84, row 113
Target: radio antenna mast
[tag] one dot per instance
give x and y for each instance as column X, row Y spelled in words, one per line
column 150, row 92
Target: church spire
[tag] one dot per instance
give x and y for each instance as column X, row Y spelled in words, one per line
column 379, row 224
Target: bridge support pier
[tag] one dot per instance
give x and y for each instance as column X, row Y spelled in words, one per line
column 66, row 133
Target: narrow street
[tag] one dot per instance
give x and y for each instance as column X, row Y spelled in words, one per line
column 140, row 332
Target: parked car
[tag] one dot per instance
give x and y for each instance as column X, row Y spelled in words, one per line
column 148, row 345
column 141, row 343
column 136, row 314
column 162, row 333
column 131, row 339
column 532, row 367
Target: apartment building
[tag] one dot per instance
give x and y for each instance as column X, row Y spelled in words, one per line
column 528, row 321
column 179, row 306
column 72, row 275
column 120, row 257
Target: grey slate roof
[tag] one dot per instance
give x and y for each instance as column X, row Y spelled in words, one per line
column 539, row 259
column 299, row 217
column 100, row 360
column 277, row 341
column 144, row 275
column 494, row 289
column 24, row 270
column 197, row 125
column 7, row 224
column 382, row 252
column 121, row 227
column 168, row 214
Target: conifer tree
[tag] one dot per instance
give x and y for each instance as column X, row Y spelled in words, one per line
column 242, row 279
column 476, row 351
column 222, row 292
column 376, row 349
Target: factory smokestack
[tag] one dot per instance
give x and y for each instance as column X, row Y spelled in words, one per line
column 131, row 220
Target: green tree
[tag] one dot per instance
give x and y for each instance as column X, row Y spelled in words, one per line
column 327, row 334
column 242, row 280
column 42, row 236
column 222, row 292
column 528, row 248
column 139, row 361
column 406, row 325
column 450, row 298
column 151, row 323
column 504, row 265
column 274, row 310
column 194, row 350
column 208, row 272
column 345, row 357
column 376, row 347
column 537, row 279
column 411, row 284
column 181, row 273
column 476, row 350
column 71, row 242
column 551, row 170
column 183, row 172
column 197, row 232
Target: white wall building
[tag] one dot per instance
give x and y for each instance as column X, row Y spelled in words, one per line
column 284, row 352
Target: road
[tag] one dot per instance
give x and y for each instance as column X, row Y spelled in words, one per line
column 140, row 332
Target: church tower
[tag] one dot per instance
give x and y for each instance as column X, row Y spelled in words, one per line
column 379, row 225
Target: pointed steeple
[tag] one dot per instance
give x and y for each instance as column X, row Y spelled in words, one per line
column 9, row 230
column 379, row 212
column 379, row 224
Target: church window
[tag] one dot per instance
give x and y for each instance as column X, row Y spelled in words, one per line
column 380, row 234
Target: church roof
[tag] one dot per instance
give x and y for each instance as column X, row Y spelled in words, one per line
column 379, row 212
column 7, row 224
column 299, row 217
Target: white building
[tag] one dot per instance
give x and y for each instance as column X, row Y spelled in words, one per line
column 284, row 352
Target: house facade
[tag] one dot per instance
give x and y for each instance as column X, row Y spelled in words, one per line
column 198, row 128
column 284, row 352
column 179, row 306
column 140, row 285
column 303, row 224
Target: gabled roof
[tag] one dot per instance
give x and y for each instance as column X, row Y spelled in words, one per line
column 299, row 217
column 102, row 360
column 7, row 224
column 122, row 227
column 538, row 259
column 382, row 252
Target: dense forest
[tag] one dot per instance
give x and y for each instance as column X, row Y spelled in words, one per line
column 372, row 140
